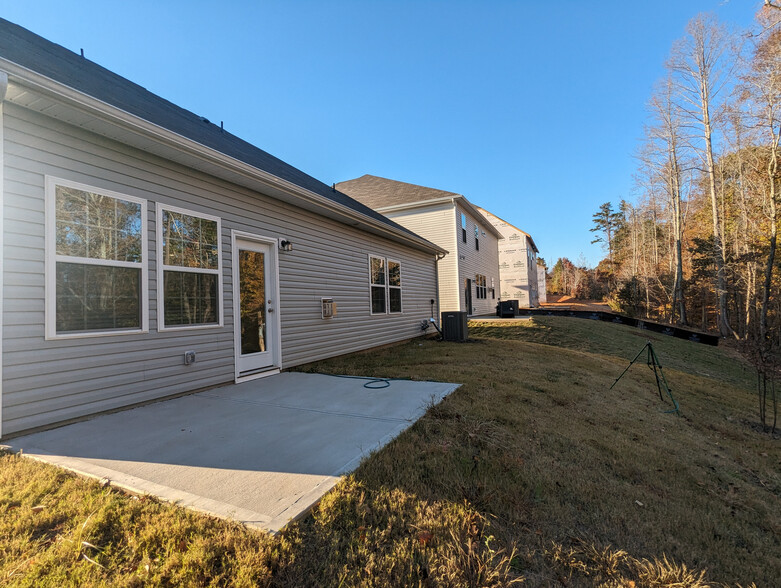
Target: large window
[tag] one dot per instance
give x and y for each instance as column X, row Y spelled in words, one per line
column 95, row 261
column 189, row 274
column 480, row 286
column 385, row 284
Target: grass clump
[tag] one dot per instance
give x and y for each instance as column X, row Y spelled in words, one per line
column 532, row 471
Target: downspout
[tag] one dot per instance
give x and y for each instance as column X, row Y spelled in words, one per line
column 456, row 251
column 437, row 258
column 3, row 90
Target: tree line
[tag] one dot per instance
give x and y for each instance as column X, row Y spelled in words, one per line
column 698, row 245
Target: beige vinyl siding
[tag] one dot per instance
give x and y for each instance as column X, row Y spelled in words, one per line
column 436, row 224
column 472, row 261
column 51, row 381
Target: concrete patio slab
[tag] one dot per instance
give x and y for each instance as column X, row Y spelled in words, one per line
column 261, row 452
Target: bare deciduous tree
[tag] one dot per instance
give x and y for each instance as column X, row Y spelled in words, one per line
column 701, row 66
column 666, row 159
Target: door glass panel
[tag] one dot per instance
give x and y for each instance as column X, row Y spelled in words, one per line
column 252, row 291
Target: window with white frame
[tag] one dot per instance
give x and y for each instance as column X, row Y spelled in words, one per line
column 394, row 286
column 96, row 257
column 480, row 286
column 378, row 285
column 189, row 269
column 477, row 238
column 385, row 285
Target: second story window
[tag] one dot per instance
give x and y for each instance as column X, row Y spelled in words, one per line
column 477, row 238
column 463, row 227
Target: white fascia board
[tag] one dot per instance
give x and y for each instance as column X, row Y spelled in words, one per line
column 479, row 216
column 528, row 236
column 3, row 89
column 418, row 204
column 28, row 78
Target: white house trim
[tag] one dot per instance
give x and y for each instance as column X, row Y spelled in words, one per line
column 3, row 88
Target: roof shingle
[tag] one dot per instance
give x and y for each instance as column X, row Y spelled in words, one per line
column 379, row 193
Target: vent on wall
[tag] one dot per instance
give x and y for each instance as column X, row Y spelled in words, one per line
column 329, row 307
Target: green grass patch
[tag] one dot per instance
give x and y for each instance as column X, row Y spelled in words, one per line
column 532, row 471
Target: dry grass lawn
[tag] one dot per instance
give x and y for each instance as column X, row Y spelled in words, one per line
column 532, row 472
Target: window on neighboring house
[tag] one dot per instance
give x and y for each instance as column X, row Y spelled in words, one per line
column 463, row 227
column 96, row 260
column 493, row 289
column 394, row 286
column 189, row 274
column 378, row 284
column 480, row 286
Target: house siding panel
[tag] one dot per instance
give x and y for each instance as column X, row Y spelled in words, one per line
column 436, row 224
column 52, row 381
column 472, row 261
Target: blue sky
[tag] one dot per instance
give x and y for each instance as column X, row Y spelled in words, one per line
column 532, row 109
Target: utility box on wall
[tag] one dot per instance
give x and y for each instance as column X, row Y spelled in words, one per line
column 329, row 307
column 454, row 326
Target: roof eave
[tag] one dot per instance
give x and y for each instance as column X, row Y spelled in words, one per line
column 528, row 236
column 28, row 78
column 475, row 212
column 417, row 204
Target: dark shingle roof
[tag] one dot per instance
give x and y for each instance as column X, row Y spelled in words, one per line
column 35, row 53
column 381, row 192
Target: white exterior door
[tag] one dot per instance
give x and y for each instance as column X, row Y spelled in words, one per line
column 256, row 322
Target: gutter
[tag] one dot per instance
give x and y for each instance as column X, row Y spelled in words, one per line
column 112, row 114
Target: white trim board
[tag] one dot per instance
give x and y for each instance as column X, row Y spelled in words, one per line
column 3, row 88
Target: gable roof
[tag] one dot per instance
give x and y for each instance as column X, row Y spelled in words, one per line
column 40, row 57
column 385, row 195
column 382, row 193
column 528, row 236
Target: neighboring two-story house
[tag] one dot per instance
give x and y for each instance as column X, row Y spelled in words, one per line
column 468, row 275
column 518, row 274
